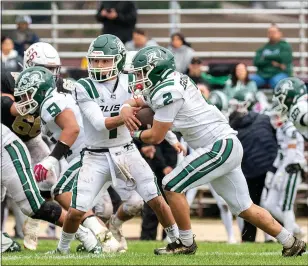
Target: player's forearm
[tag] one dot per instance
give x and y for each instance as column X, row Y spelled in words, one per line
column 69, row 135
column 149, row 136
column 113, row 122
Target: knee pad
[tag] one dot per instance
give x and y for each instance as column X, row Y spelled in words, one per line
column 49, row 211
column 133, row 205
column 104, row 209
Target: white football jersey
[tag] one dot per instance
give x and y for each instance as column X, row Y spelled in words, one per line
column 286, row 135
column 297, row 114
column 54, row 104
column 200, row 123
column 7, row 136
column 109, row 101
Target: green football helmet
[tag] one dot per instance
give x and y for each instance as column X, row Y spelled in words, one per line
column 286, row 92
column 106, row 47
column 242, row 101
column 150, row 66
column 32, row 86
column 220, row 100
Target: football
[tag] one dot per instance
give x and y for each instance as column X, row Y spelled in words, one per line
column 145, row 116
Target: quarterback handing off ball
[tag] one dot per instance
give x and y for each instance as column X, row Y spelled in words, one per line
column 145, row 116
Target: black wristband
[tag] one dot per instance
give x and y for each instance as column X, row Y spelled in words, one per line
column 60, row 150
column 140, row 135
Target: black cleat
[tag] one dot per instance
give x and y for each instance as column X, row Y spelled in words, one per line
column 297, row 249
column 177, row 247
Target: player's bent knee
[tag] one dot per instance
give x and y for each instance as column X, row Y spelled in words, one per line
column 133, row 205
column 238, row 207
column 49, row 211
column 75, row 215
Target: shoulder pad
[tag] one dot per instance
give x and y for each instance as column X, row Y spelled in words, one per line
column 85, row 88
column 165, row 93
column 298, row 111
column 53, row 105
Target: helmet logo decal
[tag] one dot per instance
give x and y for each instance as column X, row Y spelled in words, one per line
column 286, row 86
column 153, row 56
column 29, row 80
column 120, row 46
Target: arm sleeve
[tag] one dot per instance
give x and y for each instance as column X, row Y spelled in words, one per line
column 89, row 108
column 168, row 113
column 286, row 55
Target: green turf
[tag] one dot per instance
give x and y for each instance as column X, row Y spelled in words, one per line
column 141, row 253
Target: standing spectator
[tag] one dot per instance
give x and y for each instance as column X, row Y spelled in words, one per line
column 182, row 51
column 258, row 139
column 239, row 81
column 10, row 60
column 140, row 40
column 273, row 60
column 118, row 18
column 23, row 36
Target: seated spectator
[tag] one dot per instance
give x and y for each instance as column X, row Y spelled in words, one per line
column 23, row 36
column 273, row 60
column 10, row 60
column 118, row 18
column 139, row 41
column 239, row 80
column 182, row 51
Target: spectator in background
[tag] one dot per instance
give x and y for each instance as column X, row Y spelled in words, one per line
column 182, row 51
column 23, row 36
column 258, row 139
column 10, row 60
column 118, row 18
column 239, row 81
column 139, row 41
column 273, row 60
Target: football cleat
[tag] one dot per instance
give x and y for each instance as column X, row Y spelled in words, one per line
column 177, row 247
column 297, row 249
column 14, row 247
column 31, row 229
column 98, row 249
column 108, row 241
column 58, row 252
column 118, row 235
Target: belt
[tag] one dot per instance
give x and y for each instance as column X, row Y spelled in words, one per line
column 100, row 150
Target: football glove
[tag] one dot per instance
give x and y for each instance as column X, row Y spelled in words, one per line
column 46, row 169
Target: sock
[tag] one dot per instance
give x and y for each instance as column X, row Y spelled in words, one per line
column 285, row 238
column 186, row 237
column 65, row 241
column 267, row 237
column 227, row 219
column 240, row 222
column 86, row 237
column 117, row 222
column 94, row 225
column 172, row 232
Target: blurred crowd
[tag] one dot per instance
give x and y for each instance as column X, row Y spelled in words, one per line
column 230, row 87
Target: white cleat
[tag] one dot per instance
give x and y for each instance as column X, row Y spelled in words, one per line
column 118, row 235
column 108, row 241
column 31, row 228
column 232, row 240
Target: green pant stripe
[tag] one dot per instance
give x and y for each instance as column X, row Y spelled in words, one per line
column 158, row 190
column 74, row 192
column 69, row 185
column 287, row 193
column 201, row 173
column 29, row 171
column 22, row 177
column 195, row 164
column 292, row 192
column 66, row 176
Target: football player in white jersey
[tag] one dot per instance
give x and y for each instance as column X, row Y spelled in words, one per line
column 110, row 154
column 291, row 101
column 281, row 186
column 18, row 181
column 217, row 155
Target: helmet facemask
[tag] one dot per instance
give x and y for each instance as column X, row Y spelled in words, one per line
column 27, row 104
column 277, row 120
column 101, row 74
column 141, row 83
column 279, row 106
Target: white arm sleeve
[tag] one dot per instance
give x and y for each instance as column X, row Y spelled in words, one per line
column 94, row 114
column 171, row 138
column 168, row 113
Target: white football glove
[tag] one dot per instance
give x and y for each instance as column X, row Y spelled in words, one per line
column 48, row 170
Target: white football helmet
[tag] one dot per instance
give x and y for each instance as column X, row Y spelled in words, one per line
column 45, row 55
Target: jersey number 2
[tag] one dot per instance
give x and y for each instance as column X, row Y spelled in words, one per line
column 167, row 98
column 113, row 132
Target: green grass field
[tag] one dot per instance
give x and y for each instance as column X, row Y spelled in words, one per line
column 141, row 253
